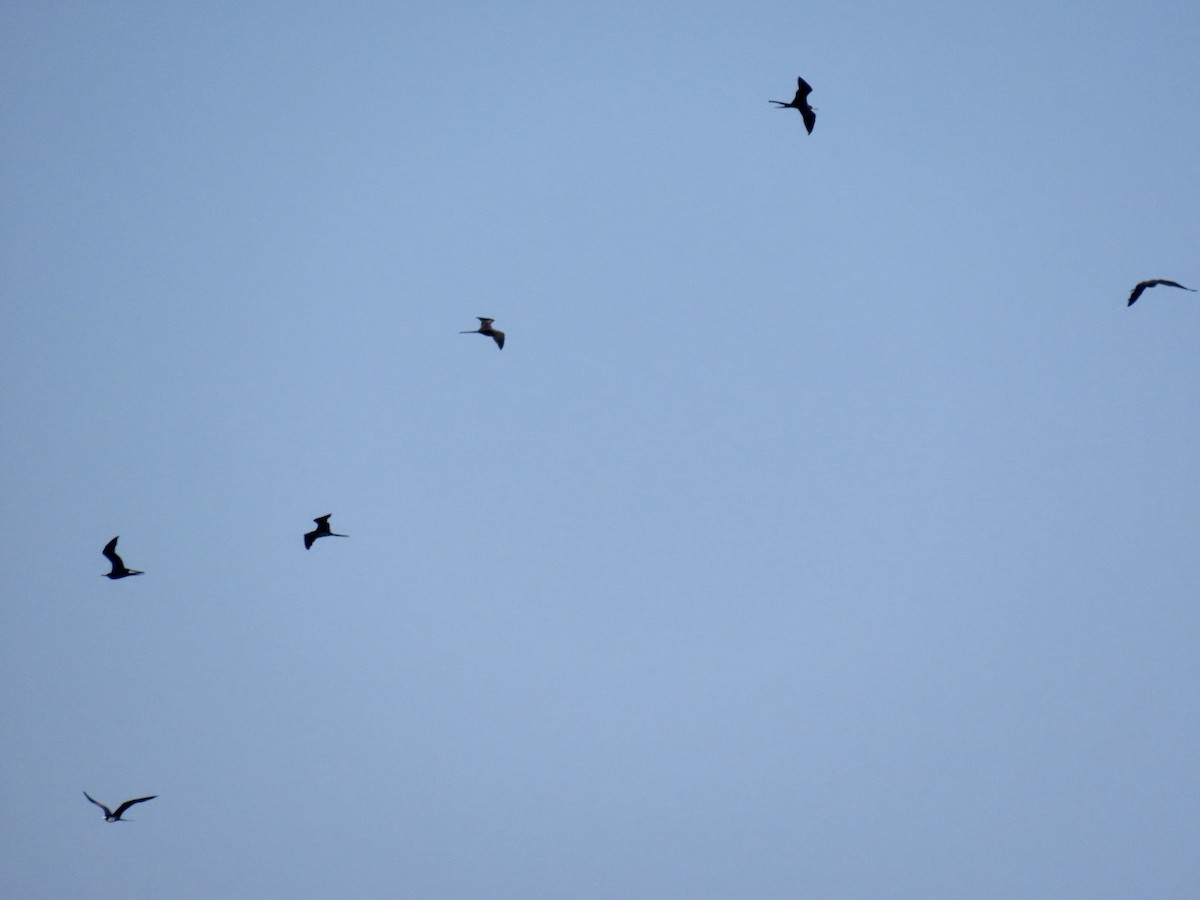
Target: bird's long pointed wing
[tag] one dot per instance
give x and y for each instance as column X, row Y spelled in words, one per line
column 498, row 337
column 110, row 552
column 803, row 89
column 810, row 118
column 128, row 803
column 107, row 811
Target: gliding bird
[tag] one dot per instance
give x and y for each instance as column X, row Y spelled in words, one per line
column 1142, row 285
column 800, row 102
column 322, row 530
column 118, row 568
column 115, row 815
column 485, row 327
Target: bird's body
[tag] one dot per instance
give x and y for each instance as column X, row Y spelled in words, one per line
column 1154, row 282
column 800, row 102
column 111, row 815
column 322, row 530
column 485, row 327
column 119, row 569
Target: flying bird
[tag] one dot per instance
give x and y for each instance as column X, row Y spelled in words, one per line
column 115, row 815
column 485, row 327
column 322, row 530
column 800, row 102
column 1142, row 285
column 118, row 568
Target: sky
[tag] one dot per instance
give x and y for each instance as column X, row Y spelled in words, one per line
column 826, row 527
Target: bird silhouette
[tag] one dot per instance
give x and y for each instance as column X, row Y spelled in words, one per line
column 118, row 568
column 1153, row 282
column 115, row 815
column 800, row 102
column 322, row 530
column 485, row 327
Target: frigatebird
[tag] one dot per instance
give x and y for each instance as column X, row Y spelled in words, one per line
column 1153, row 282
column 800, row 102
column 322, row 530
column 118, row 568
column 111, row 815
column 485, row 327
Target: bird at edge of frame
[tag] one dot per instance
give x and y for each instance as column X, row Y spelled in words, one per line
column 800, row 102
column 114, row 815
column 485, row 327
column 322, row 530
column 119, row 569
column 1154, row 282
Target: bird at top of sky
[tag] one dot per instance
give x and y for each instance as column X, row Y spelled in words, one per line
column 800, row 102
column 118, row 568
column 1142, row 285
column 322, row 530
column 111, row 815
column 485, row 327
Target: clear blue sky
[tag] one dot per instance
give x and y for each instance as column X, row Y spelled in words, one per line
column 827, row 527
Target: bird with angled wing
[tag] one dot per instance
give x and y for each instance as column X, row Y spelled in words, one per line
column 1154, row 282
column 114, row 815
column 322, row 530
column 800, row 102
column 485, row 327
column 119, row 569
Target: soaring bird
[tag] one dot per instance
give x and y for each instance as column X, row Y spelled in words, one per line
column 115, row 815
column 322, row 530
column 118, row 567
column 800, row 102
column 485, row 327
column 1142, row 285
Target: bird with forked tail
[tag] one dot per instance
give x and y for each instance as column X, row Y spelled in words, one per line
column 322, row 530
column 485, row 327
column 119, row 569
column 800, row 102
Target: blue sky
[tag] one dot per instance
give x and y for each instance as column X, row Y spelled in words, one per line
column 826, row 528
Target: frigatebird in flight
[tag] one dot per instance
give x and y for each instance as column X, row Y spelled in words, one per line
column 119, row 569
column 800, row 102
column 1153, row 282
column 485, row 327
column 111, row 815
column 322, row 530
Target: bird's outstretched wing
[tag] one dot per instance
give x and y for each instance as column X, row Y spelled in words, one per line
column 803, row 89
column 110, row 553
column 107, row 811
column 323, row 521
column 485, row 322
column 810, row 118
column 498, row 337
column 128, row 803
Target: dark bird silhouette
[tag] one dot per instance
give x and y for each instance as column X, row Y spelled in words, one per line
column 800, row 102
column 118, row 568
column 111, row 815
column 1153, row 282
column 485, row 327
column 322, row 530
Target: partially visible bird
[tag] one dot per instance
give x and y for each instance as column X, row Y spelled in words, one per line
column 485, row 327
column 1153, row 282
column 322, row 530
column 111, row 815
column 800, row 102
column 118, row 568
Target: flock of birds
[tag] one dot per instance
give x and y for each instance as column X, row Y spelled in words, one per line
column 323, row 529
